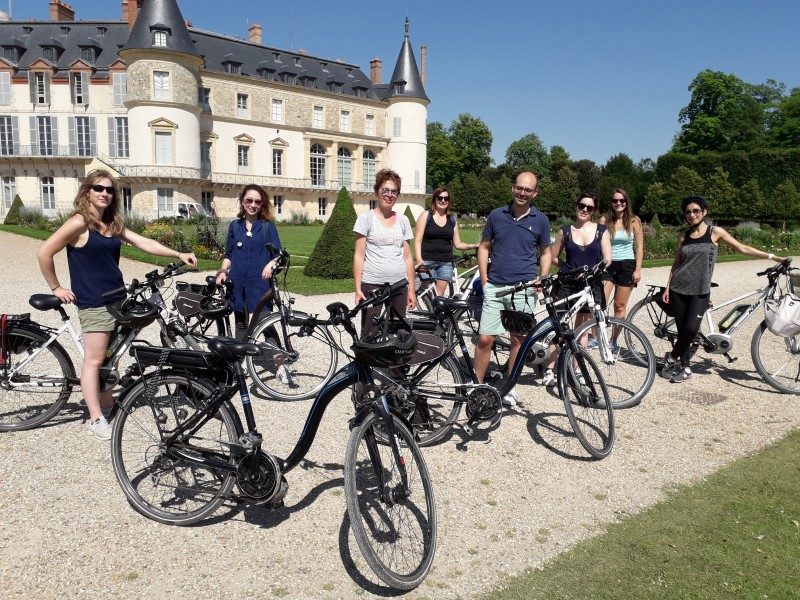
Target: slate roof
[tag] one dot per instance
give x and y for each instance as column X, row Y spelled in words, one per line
column 165, row 15
column 407, row 73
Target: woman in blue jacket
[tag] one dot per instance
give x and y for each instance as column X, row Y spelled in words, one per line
column 248, row 261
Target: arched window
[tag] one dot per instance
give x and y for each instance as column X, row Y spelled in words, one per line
column 317, row 165
column 369, row 168
column 344, row 166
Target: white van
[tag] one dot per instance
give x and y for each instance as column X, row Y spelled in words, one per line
column 188, row 210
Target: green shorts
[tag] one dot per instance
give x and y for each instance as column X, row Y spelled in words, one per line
column 524, row 301
column 96, row 319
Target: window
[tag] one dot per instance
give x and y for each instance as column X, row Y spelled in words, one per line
column 369, row 125
column 277, row 161
column 317, row 121
column 297, row 62
column 344, row 121
column 205, row 156
column 373, row 204
column 7, row 135
column 119, row 88
column 290, row 78
column 233, row 67
column 43, row 135
column 163, row 148
column 243, row 159
column 277, row 110
column 360, row 91
column 349, row 71
column 27, row 30
column 50, row 54
column 40, row 87
column 335, row 87
column 160, row 38
column 48, row 193
column 344, row 166
column 278, row 202
column 322, row 206
column 267, row 74
column 241, row 106
column 88, row 54
column 121, row 144
column 324, row 67
column 101, row 31
column 11, row 53
column 397, row 127
column 207, row 200
column 369, row 168
column 5, row 88
column 204, row 98
column 9, row 191
column 399, row 88
column 65, row 30
column 317, row 165
column 79, row 88
column 161, row 86
column 82, row 136
column 165, row 206
column 127, row 200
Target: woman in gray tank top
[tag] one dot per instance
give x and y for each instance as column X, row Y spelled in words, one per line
column 689, row 285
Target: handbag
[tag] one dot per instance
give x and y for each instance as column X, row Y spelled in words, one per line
column 783, row 315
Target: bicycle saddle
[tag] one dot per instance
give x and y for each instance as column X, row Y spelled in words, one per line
column 231, row 349
column 448, row 305
column 45, row 302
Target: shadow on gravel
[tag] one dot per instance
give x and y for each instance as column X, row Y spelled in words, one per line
column 553, row 431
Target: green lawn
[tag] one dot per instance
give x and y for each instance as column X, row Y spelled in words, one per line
column 735, row 535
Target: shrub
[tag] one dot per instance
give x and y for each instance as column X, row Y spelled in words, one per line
column 299, row 218
column 136, row 223
column 747, row 231
column 59, row 219
column 179, row 241
column 222, row 231
column 655, row 223
column 32, row 217
column 160, row 232
column 14, row 216
column 207, row 235
column 410, row 216
column 332, row 257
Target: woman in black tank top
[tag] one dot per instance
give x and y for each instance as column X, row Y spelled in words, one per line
column 689, row 287
column 93, row 236
column 435, row 236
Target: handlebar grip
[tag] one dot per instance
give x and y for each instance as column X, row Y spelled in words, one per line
column 116, row 292
column 397, row 286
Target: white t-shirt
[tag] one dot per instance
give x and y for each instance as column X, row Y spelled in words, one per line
column 383, row 260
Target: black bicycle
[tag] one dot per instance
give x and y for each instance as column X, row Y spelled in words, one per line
column 178, row 446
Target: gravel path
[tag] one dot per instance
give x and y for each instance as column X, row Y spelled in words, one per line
column 507, row 501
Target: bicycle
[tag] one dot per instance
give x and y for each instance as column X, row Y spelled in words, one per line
column 37, row 376
column 776, row 359
column 178, row 447
column 430, row 394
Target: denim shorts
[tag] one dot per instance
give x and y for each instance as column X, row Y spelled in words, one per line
column 441, row 271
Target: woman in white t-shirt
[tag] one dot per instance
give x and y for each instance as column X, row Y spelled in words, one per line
column 382, row 253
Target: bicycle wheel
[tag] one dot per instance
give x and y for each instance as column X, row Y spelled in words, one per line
column 658, row 327
column 777, row 359
column 33, row 394
column 631, row 370
column 394, row 525
column 172, row 485
column 586, row 400
column 432, row 418
column 293, row 366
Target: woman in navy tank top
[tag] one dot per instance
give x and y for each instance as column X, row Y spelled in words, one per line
column 93, row 236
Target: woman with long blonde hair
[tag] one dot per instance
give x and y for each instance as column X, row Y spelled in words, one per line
column 93, row 237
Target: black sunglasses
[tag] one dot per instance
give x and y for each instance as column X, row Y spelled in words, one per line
column 693, row 211
column 102, row 188
column 586, row 207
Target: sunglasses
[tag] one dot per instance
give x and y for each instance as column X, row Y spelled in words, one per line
column 254, row 202
column 618, row 201
column 389, row 192
column 102, row 188
column 443, row 198
column 692, row 211
column 587, row 207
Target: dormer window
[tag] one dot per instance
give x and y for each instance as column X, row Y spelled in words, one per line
column 27, row 30
column 101, row 30
column 297, row 61
column 399, row 88
column 307, row 81
column 290, row 78
column 88, row 54
column 335, row 87
column 349, row 72
column 267, row 74
column 232, row 67
column 65, row 30
column 11, row 53
column 324, row 67
column 160, row 38
column 50, row 53
column 361, row 92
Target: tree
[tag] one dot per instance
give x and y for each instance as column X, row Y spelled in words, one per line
column 785, row 123
column 558, row 193
column 722, row 195
column 621, row 172
column 14, row 214
column 410, row 216
column 527, row 154
column 332, row 257
column 788, row 198
column 750, row 199
column 558, row 158
column 443, row 161
column 588, row 174
column 472, row 139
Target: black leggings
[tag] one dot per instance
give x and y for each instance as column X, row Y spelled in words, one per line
column 399, row 302
column 688, row 311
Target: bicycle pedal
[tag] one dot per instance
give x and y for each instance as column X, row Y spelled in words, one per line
column 469, row 430
column 730, row 358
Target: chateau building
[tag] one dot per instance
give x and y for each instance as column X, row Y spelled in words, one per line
column 182, row 114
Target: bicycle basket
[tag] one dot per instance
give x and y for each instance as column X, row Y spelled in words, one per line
column 516, row 322
column 783, row 315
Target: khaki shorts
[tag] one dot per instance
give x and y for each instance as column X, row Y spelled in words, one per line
column 96, row 319
column 523, row 301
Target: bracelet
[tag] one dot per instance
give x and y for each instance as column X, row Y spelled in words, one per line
column 770, row 256
column 53, row 289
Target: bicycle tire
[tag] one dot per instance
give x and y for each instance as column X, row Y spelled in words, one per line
column 396, row 529
column 658, row 327
column 777, row 359
column 587, row 403
column 156, row 485
column 310, row 366
column 48, row 377
column 631, row 374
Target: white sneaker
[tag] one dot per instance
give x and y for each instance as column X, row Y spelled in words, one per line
column 100, row 428
column 549, row 378
column 510, row 399
column 283, row 375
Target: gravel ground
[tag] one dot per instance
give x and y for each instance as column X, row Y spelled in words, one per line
column 508, row 500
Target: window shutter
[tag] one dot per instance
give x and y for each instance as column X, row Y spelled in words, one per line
column 112, row 138
column 73, row 142
column 72, row 78
column 85, row 90
column 93, row 136
column 54, row 127
column 34, row 137
column 47, row 93
column 15, row 134
column 32, row 85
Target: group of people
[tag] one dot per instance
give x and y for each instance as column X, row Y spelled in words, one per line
column 516, row 236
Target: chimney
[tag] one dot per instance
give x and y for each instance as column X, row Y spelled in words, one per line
column 130, row 10
column 375, row 66
column 61, row 11
column 423, row 62
column 254, row 33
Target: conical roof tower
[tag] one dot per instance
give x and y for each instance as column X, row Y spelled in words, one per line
column 163, row 15
column 406, row 81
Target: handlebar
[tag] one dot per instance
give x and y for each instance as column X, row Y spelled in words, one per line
column 152, row 279
column 465, row 258
column 779, row 269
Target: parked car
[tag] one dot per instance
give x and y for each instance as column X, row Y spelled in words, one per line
column 188, row 210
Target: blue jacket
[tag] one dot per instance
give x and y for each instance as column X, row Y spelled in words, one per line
column 249, row 256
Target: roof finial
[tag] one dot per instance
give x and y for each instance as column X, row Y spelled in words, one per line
column 408, row 24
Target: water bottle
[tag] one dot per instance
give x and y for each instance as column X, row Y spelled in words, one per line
column 733, row 317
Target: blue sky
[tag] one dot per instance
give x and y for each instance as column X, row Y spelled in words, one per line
column 598, row 78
